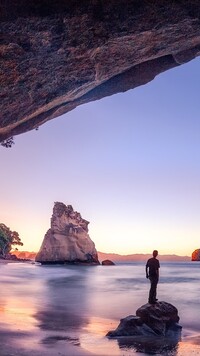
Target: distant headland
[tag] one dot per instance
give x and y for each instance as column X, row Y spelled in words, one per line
column 115, row 257
column 68, row 241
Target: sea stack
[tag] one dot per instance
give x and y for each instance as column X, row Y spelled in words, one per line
column 67, row 241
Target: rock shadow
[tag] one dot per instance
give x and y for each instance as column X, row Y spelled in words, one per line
column 150, row 346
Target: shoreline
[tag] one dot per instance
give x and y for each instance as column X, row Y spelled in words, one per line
column 57, row 345
column 16, row 261
column 35, row 327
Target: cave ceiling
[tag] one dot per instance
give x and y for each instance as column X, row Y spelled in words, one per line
column 56, row 55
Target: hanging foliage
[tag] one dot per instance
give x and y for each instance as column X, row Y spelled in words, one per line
column 8, row 239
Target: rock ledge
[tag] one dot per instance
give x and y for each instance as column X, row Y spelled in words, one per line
column 57, row 55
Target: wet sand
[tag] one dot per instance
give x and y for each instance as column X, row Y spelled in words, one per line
column 35, row 329
column 17, row 342
column 61, row 349
column 14, row 344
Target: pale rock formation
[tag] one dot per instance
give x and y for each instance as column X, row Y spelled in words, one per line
column 196, row 255
column 67, row 241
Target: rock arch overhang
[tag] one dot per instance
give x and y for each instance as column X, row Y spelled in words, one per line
column 58, row 54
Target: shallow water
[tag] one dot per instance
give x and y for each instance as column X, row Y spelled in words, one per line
column 80, row 304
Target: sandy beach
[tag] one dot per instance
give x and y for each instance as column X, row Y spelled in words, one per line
column 13, row 345
column 68, row 311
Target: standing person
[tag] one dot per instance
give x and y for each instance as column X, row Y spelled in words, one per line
column 152, row 272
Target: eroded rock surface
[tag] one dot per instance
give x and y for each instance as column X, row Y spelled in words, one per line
column 57, row 55
column 67, row 241
column 160, row 319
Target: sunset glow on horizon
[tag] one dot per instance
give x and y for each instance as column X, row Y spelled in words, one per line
column 128, row 163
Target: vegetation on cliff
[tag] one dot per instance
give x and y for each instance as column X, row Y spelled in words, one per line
column 8, row 239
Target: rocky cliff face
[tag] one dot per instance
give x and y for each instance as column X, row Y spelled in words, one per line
column 196, row 255
column 67, row 241
column 56, row 55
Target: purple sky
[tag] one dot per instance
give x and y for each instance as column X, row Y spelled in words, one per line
column 130, row 164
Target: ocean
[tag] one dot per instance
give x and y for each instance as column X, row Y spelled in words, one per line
column 80, row 304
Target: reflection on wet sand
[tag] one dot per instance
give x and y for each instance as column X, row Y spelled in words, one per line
column 68, row 311
column 126, row 346
column 50, row 340
column 151, row 346
column 63, row 311
column 46, row 315
column 58, row 312
column 60, row 320
column 11, row 338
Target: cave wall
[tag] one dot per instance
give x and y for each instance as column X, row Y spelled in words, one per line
column 56, row 55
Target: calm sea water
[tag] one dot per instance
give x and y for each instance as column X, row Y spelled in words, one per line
column 41, row 304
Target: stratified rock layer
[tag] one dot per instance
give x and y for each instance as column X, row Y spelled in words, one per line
column 67, row 241
column 160, row 319
column 56, row 55
column 196, row 255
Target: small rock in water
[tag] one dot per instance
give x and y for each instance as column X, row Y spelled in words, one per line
column 108, row 263
column 160, row 319
column 196, row 255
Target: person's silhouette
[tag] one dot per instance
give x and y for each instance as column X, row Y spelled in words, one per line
column 152, row 272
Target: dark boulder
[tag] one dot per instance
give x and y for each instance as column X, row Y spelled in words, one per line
column 160, row 319
column 107, row 263
column 131, row 325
